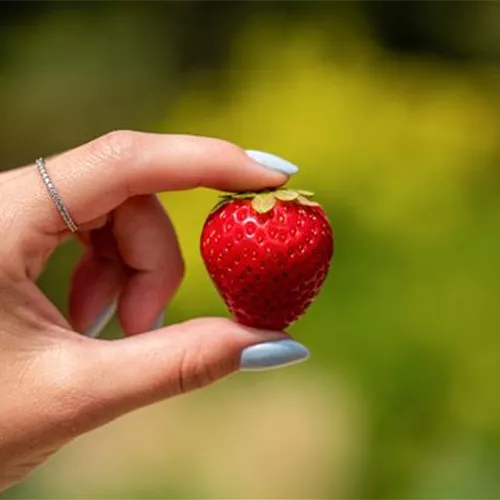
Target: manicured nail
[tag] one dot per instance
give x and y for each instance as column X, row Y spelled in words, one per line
column 101, row 321
column 270, row 355
column 159, row 321
column 273, row 162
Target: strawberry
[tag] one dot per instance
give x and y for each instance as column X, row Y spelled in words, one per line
column 268, row 254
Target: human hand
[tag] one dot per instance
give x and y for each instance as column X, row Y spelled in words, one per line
column 57, row 384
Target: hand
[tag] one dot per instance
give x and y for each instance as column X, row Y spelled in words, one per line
column 56, row 384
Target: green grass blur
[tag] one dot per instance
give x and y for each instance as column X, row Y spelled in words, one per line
column 400, row 396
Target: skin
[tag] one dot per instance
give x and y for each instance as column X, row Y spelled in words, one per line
column 56, row 384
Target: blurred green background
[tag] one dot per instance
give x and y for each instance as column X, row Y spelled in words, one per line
column 392, row 111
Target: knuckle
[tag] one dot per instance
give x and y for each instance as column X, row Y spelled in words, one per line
column 171, row 273
column 209, row 362
column 195, row 372
column 116, row 145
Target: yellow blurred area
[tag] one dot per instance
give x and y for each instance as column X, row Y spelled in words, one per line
column 396, row 129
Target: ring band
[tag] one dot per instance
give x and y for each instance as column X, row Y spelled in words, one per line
column 63, row 211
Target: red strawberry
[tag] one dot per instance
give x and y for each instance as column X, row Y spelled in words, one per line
column 268, row 255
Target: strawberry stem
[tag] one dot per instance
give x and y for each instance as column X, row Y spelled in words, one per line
column 265, row 200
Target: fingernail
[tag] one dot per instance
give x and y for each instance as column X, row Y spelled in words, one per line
column 101, row 321
column 159, row 321
column 273, row 162
column 272, row 355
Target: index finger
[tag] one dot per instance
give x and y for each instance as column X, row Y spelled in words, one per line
column 95, row 178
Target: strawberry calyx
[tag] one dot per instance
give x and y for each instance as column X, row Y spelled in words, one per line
column 264, row 201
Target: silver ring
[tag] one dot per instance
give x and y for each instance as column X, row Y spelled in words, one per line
column 63, row 211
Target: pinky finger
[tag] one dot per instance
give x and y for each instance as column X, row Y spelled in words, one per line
column 95, row 288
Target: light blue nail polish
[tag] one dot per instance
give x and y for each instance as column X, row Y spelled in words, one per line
column 159, row 321
column 270, row 355
column 101, row 321
column 273, row 162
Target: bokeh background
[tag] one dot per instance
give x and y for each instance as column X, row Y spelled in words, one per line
column 392, row 111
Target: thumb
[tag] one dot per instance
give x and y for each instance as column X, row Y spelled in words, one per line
column 139, row 370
